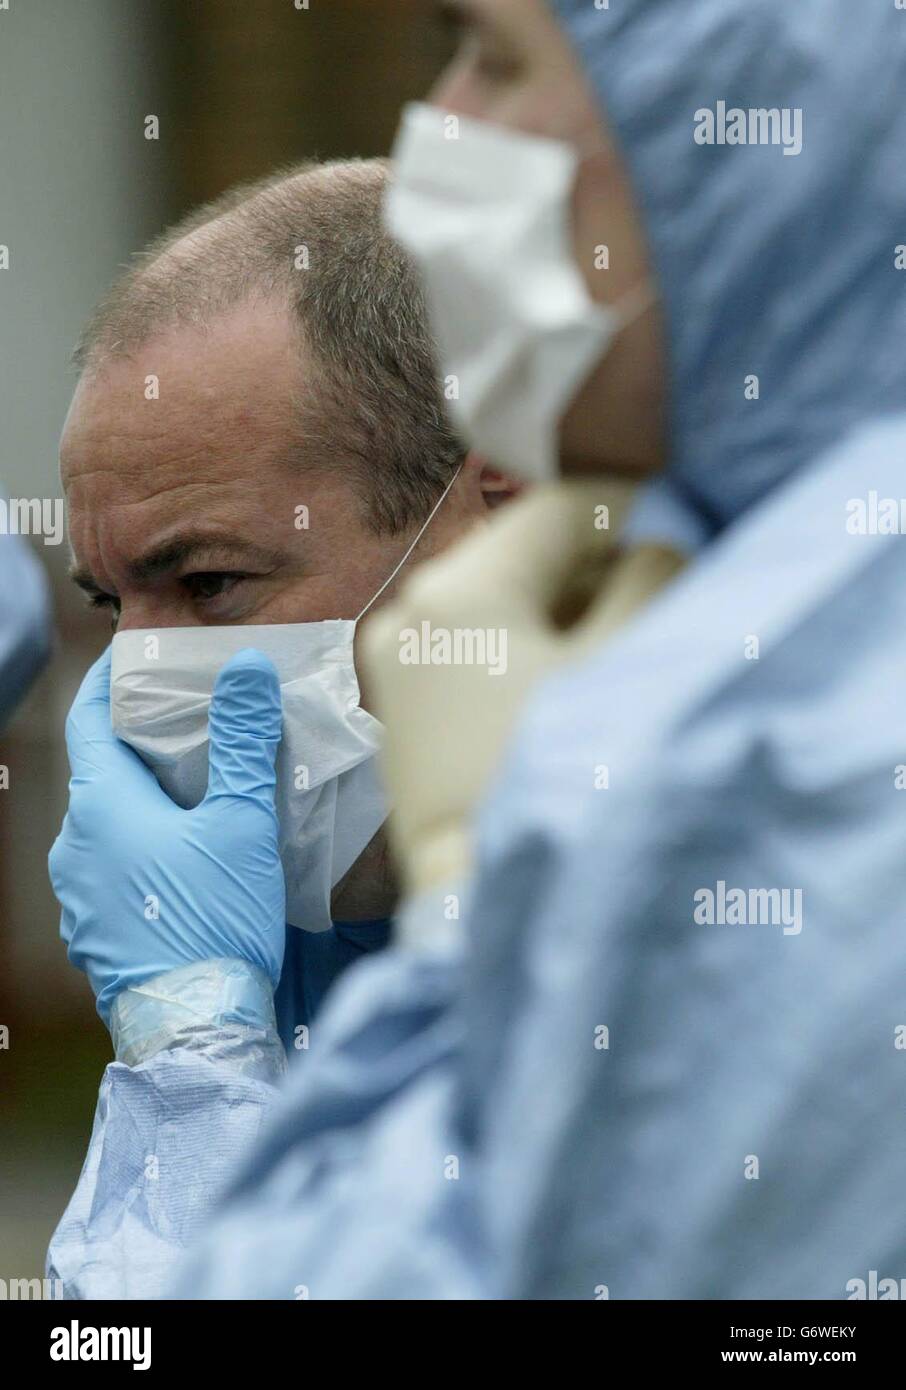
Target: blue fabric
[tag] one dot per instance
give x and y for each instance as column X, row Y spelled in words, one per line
column 459, row 1130
column 165, row 1134
column 24, row 621
column 313, row 961
column 170, row 1130
column 767, row 264
column 361, row 1186
column 661, row 516
column 632, row 1166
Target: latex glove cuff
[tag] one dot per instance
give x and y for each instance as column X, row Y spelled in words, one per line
column 223, row 1009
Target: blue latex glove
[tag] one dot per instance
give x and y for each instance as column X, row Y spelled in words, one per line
column 125, row 849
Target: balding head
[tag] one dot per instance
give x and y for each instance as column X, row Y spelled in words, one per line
column 309, row 238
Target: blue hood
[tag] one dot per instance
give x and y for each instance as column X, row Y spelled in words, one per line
column 774, row 265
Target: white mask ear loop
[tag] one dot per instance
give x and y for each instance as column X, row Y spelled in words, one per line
column 427, row 522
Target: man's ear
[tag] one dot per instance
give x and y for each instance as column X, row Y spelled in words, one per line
column 497, row 488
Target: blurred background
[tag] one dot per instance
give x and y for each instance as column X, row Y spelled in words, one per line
column 239, row 87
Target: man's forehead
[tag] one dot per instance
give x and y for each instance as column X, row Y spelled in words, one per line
column 148, row 519
column 129, row 486
column 189, row 389
column 211, row 448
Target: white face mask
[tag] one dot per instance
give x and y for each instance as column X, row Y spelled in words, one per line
column 485, row 213
column 330, row 802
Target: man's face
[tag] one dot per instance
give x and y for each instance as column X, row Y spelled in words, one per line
column 193, row 508
column 514, row 67
column 184, row 510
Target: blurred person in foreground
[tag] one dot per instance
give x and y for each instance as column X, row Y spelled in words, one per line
column 24, row 617
column 655, row 1054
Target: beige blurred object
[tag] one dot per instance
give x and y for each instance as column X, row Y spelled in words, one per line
column 448, row 665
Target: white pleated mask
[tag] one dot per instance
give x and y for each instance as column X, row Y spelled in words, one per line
column 485, row 214
column 329, row 798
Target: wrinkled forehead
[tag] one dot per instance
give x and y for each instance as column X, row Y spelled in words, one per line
column 205, row 402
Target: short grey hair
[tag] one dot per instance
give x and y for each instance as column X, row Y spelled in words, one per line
column 378, row 406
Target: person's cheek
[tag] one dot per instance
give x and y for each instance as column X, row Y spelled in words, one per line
column 606, row 238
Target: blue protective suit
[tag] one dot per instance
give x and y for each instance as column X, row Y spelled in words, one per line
column 24, row 621
column 612, row 1085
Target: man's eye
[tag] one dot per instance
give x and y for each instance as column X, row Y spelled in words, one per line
column 211, row 585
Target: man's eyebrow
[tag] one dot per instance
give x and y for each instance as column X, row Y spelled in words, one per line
column 220, row 551
column 181, row 550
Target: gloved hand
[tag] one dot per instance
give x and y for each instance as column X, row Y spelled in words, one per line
column 146, row 886
column 539, row 585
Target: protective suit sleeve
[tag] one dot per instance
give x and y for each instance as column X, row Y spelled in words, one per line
column 198, row 1059
column 24, row 621
column 362, row 1185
